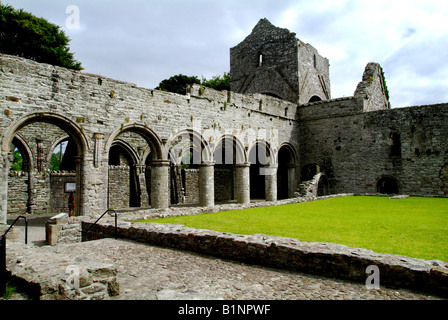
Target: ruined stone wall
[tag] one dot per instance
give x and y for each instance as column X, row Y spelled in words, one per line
column 314, row 74
column 94, row 110
column 373, row 89
column 266, row 62
column 273, row 61
column 356, row 150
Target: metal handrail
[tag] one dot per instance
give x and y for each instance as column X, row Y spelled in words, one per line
column 107, row 211
column 3, row 254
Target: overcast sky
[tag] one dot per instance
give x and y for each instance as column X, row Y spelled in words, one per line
column 144, row 42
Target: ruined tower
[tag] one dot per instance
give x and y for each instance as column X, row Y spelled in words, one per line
column 273, row 61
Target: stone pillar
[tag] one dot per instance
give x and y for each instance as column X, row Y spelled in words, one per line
column 160, row 196
column 270, row 173
column 207, row 184
column 242, row 183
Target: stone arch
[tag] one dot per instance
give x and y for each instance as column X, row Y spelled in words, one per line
column 153, row 140
column 228, row 152
column 124, row 186
column 81, row 146
column 25, row 151
column 130, row 152
column 135, row 180
column 180, row 143
column 62, row 122
column 191, row 138
column 387, row 185
column 286, row 172
column 315, row 98
column 238, row 152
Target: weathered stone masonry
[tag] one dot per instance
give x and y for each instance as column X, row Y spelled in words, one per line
column 94, row 111
column 280, row 103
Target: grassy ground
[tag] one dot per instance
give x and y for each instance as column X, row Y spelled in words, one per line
column 415, row 227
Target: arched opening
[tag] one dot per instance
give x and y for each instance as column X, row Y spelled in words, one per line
column 285, row 173
column 323, row 188
column 309, row 171
column 131, row 151
column 315, row 99
column 387, row 185
column 35, row 137
column 226, row 156
column 124, row 187
column 187, row 152
column 259, row 157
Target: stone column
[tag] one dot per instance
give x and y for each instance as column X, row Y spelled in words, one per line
column 242, row 183
column 207, row 184
column 270, row 173
column 160, row 196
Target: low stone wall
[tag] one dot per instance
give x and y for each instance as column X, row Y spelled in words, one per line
column 326, row 259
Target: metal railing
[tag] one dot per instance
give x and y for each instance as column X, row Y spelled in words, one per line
column 3, row 272
column 116, row 224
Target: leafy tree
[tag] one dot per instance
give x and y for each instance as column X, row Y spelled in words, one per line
column 218, row 82
column 18, row 161
column 178, row 83
column 55, row 161
column 25, row 35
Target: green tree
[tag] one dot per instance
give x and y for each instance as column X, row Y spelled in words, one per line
column 178, row 83
column 18, row 161
column 218, row 82
column 25, row 35
column 55, row 161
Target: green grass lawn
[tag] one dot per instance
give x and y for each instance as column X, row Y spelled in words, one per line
column 415, row 227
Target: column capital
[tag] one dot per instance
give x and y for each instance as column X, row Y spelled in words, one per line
column 207, row 164
column 159, row 163
column 242, row 165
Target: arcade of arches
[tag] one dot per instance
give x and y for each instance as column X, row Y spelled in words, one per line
column 47, row 155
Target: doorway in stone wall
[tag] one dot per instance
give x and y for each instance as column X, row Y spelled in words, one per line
column 286, row 172
column 387, row 185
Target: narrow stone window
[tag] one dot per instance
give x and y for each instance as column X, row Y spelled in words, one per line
column 315, row 61
column 260, row 59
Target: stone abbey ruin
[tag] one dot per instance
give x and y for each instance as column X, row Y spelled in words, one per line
column 277, row 133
